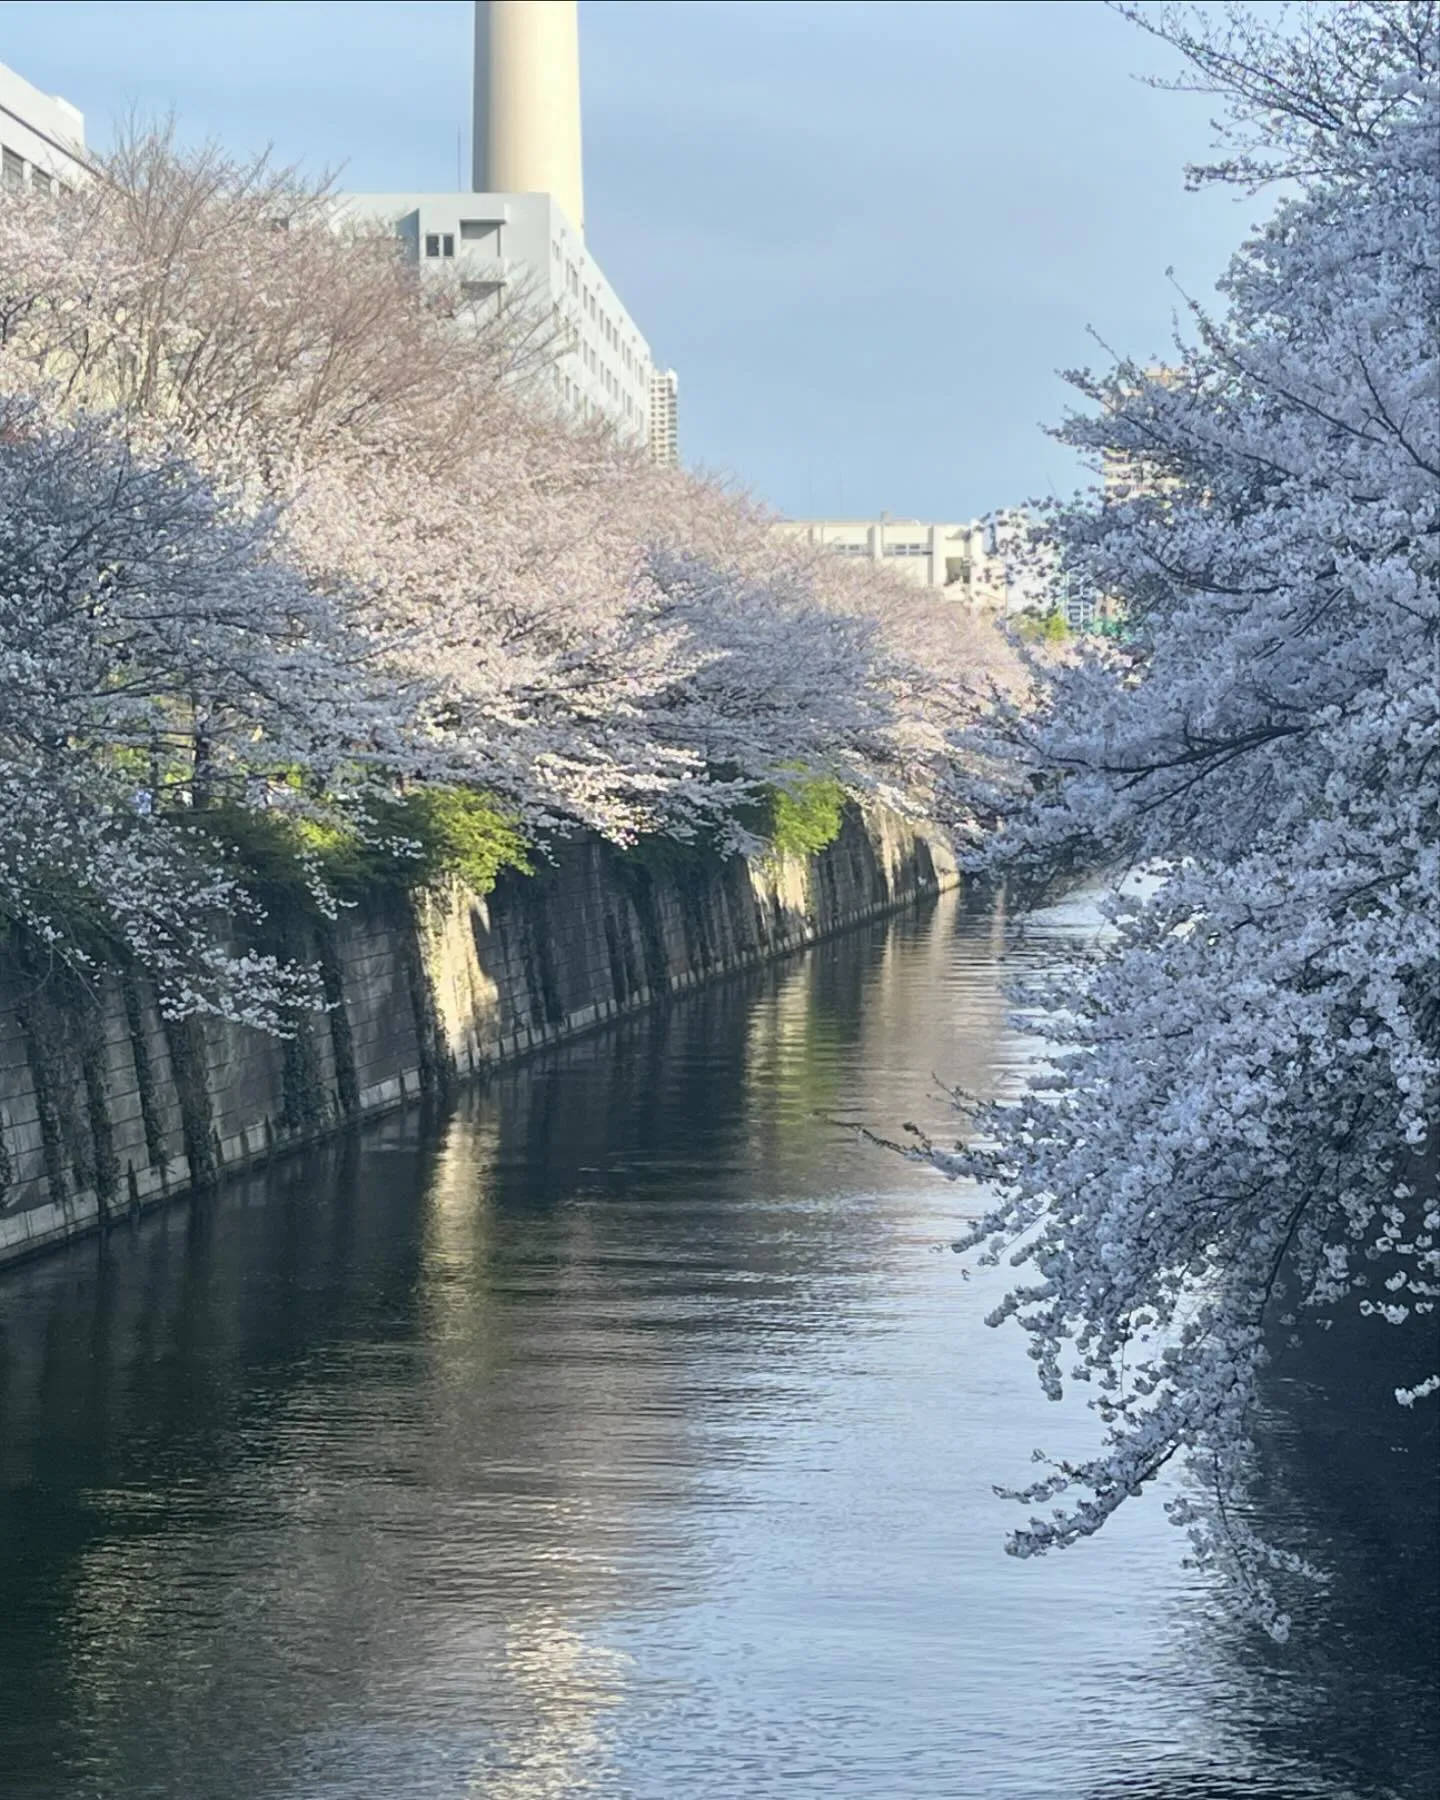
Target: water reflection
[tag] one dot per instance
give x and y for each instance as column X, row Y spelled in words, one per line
column 623, row 1433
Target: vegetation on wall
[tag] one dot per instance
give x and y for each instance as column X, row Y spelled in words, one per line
column 408, row 841
column 805, row 815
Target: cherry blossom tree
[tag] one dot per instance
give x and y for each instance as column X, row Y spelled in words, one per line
column 155, row 655
column 1233, row 1136
column 318, row 533
column 516, row 570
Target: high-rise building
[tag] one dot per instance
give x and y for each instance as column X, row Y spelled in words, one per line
column 518, row 237
column 665, row 418
column 42, row 137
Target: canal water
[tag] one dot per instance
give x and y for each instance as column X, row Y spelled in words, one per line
column 630, row 1431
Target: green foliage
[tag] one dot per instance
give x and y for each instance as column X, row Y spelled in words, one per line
column 269, row 847
column 798, row 817
column 458, row 831
column 409, row 841
column 1049, row 628
column 805, row 815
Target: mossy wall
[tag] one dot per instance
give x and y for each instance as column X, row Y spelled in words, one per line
column 105, row 1108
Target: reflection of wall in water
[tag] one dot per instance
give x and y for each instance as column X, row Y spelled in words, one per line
column 105, row 1108
column 482, row 1341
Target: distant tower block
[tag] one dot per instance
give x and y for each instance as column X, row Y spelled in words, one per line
column 527, row 101
column 665, row 418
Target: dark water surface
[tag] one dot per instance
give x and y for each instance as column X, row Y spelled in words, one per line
column 628, row 1433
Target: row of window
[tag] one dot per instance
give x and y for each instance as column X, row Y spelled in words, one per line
column 484, row 233
column 608, row 378
column 576, row 398
column 889, row 549
column 12, row 173
column 580, row 402
column 593, row 309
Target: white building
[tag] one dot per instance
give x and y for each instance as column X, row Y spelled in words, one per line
column 975, row 564
column 930, row 555
column 42, row 137
column 520, row 233
column 524, row 246
column 665, row 418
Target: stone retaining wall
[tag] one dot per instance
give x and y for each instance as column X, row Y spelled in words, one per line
column 105, row 1107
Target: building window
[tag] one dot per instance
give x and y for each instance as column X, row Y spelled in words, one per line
column 432, row 243
column 481, row 231
column 447, row 244
column 479, row 290
column 957, row 571
column 907, row 549
column 39, row 179
column 12, row 167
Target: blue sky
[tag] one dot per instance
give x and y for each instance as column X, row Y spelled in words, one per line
column 867, row 235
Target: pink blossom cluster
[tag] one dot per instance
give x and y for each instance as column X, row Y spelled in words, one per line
column 287, row 521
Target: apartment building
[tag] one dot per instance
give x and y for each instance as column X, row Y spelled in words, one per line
column 665, row 418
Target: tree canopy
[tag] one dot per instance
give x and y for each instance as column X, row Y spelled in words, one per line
column 295, row 529
column 1233, row 1135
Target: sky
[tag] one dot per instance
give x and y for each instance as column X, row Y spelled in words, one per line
column 868, row 236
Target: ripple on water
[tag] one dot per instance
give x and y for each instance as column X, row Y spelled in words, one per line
column 632, row 1434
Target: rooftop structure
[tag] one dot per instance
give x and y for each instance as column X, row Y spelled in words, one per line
column 527, row 102
column 523, row 249
column 42, row 137
column 519, row 236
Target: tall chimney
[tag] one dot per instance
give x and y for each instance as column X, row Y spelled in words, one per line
column 527, row 101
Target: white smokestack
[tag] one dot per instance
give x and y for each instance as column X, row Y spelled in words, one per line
column 527, row 101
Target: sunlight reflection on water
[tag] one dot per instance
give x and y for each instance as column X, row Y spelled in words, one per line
column 629, row 1432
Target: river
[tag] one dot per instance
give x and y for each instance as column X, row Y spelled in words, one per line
column 630, row 1431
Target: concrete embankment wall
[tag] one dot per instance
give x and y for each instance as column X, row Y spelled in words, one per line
column 105, row 1107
